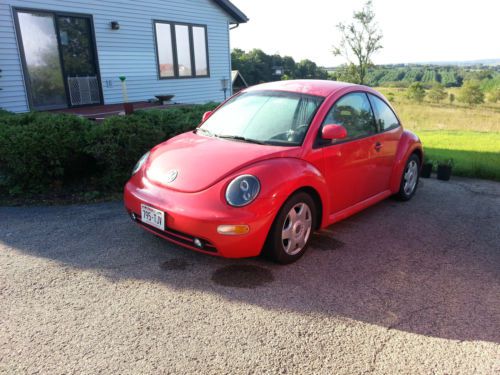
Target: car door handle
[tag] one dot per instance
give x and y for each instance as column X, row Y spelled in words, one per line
column 378, row 146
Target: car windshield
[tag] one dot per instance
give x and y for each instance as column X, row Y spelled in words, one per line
column 267, row 117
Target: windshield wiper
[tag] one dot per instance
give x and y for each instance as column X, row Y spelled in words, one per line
column 240, row 138
column 205, row 131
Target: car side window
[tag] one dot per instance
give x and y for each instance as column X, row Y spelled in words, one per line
column 384, row 116
column 352, row 111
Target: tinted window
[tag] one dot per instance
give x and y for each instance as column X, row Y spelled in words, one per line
column 352, row 111
column 386, row 119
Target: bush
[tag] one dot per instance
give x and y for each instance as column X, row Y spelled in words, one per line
column 494, row 95
column 437, row 93
column 416, row 92
column 39, row 151
column 471, row 93
column 43, row 152
column 118, row 143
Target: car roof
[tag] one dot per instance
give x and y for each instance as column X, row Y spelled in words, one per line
column 306, row 86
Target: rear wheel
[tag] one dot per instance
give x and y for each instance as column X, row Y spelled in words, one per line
column 292, row 229
column 409, row 180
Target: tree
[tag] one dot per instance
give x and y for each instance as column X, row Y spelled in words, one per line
column 493, row 97
column 416, row 92
column 451, row 98
column 359, row 41
column 471, row 93
column 347, row 73
column 256, row 66
column 437, row 93
column 308, row 69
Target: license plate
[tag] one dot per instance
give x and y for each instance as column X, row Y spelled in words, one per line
column 153, row 217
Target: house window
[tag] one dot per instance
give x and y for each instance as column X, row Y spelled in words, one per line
column 181, row 50
column 165, row 50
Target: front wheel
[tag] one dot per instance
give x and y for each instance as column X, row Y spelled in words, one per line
column 409, row 180
column 292, row 229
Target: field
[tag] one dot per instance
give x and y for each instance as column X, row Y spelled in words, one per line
column 470, row 136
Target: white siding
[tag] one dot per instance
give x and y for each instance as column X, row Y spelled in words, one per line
column 129, row 51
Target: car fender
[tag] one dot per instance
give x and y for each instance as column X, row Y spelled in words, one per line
column 281, row 177
column 408, row 144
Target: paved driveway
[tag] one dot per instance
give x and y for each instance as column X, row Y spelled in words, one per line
column 400, row 288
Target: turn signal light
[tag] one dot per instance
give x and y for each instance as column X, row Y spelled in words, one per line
column 233, row 229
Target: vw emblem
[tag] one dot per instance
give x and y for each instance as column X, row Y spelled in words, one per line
column 171, row 176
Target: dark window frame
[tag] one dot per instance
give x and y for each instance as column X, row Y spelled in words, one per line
column 190, row 26
column 320, row 142
column 20, row 46
column 379, row 131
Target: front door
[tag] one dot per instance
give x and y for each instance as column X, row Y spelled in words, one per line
column 59, row 59
column 348, row 167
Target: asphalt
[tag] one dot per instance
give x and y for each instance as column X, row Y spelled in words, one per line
column 400, row 288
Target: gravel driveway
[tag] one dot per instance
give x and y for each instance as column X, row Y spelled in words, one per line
column 399, row 288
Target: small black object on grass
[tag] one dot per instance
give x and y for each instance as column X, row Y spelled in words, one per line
column 444, row 170
column 426, row 170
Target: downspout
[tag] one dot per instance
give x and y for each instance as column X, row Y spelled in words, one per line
column 229, row 28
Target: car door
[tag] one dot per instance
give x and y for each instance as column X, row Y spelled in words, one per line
column 347, row 164
column 385, row 145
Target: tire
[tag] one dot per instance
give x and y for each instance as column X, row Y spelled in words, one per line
column 290, row 234
column 409, row 179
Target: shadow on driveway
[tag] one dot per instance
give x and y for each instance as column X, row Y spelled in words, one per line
column 429, row 266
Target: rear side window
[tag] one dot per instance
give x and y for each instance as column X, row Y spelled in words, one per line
column 353, row 112
column 385, row 118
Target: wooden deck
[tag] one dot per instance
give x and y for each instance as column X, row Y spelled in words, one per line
column 99, row 112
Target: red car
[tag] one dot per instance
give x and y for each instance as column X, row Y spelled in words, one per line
column 273, row 164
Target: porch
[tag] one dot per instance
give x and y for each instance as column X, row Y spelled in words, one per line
column 101, row 111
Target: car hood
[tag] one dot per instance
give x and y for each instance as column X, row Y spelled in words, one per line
column 192, row 162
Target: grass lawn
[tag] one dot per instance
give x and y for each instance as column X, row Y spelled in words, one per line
column 468, row 135
column 475, row 154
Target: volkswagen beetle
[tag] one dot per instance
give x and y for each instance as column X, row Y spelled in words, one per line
column 273, row 164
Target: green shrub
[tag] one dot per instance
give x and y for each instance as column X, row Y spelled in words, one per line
column 471, row 93
column 416, row 92
column 3, row 113
column 42, row 152
column 39, row 151
column 117, row 144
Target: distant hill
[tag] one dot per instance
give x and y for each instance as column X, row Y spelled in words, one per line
column 447, row 74
column 486, row 62
column 464, row 63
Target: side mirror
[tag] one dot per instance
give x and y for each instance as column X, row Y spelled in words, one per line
column 206, row 115
column 332, row 132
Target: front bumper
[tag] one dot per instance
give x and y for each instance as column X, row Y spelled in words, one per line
column 190, row 216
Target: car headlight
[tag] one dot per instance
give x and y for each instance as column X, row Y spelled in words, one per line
column 242, row 190
column 140, row 163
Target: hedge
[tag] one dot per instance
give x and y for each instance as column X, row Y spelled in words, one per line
column 46, row 152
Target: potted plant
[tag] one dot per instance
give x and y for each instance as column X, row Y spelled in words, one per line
column 444, row 170
column 426, row 170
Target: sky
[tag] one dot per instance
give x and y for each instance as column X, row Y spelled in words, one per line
column 413, row 31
